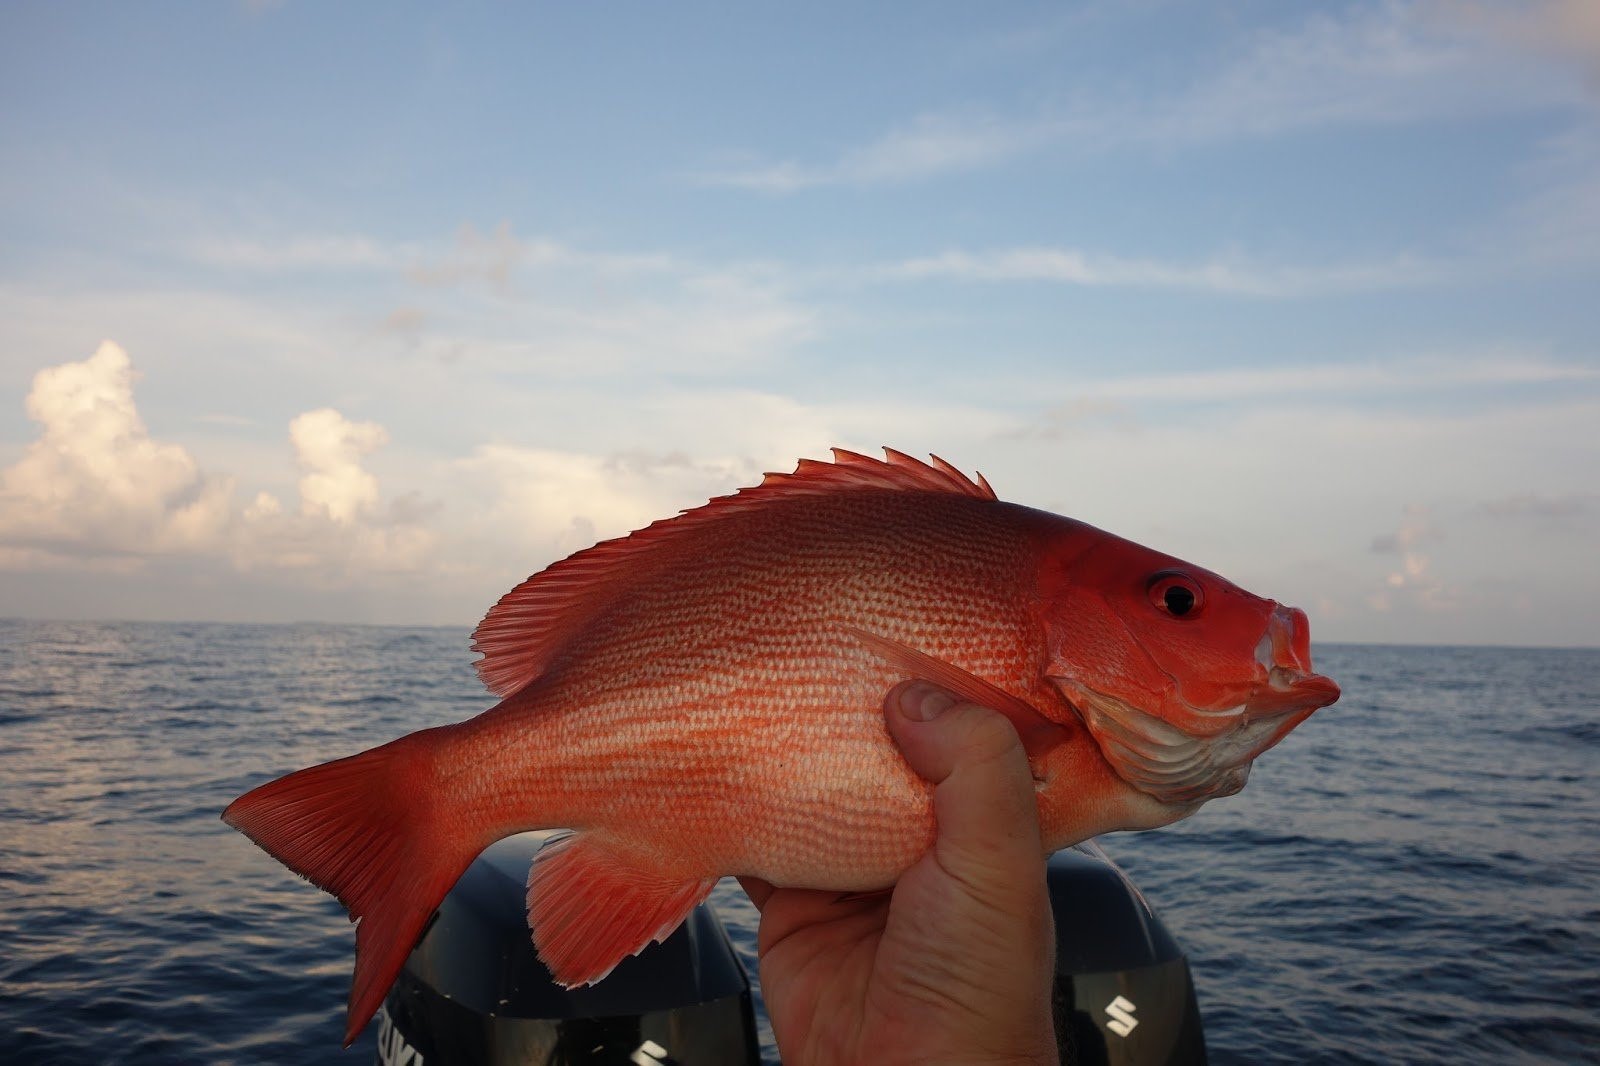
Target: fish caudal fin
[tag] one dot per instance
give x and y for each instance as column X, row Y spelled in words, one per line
column 591, row 905
column 364, row 829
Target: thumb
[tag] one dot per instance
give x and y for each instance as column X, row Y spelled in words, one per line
column 983, row 795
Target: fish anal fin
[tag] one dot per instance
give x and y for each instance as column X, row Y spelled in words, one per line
column 527, row 629
column 591, row 905
column 1038, row 733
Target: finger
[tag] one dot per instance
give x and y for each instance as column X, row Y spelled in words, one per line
column 984, row 795
column 758, row 890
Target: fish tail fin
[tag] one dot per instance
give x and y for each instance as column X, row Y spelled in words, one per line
column 364, row 829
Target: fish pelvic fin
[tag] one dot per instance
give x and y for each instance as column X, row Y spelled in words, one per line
column 591, row 904
column 363, row 829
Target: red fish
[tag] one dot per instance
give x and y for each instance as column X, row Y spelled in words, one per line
column 704, row 697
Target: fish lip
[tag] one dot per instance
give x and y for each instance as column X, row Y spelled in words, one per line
column 1286, row 689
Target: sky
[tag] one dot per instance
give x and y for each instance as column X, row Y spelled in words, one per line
column 364, row 312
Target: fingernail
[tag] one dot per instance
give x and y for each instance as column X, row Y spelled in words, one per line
column 922, row 703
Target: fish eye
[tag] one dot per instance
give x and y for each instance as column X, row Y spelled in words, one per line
column 1176, row 594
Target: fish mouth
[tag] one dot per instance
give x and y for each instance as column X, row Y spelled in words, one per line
column 1184, row 768
column 1186, row 755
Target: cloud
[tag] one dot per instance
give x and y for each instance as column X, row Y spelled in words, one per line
column 1558, row 219
column 569, row 500
column 930, row 146
column 581, row 324
column 329, row 448
column 488, row 257
column 96, row 490
column 1275, row 476
column 494, row 257
column 324, row 252
column 1416, row 529
column 95, row 485
column 1068, row 266
column 341, row 529
column 1379, row 64
column 1113, row 401
column 1541, row 506
column 1566, row 29
column 538, row 305
column 1370, row 64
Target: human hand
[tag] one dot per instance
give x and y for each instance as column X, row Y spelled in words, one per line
column 956, row 965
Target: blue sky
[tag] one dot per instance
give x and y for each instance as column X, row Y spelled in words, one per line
column 405, row 301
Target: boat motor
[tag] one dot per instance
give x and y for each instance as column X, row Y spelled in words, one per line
column 474, row 993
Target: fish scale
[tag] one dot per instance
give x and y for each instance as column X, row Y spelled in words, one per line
column 704, row 697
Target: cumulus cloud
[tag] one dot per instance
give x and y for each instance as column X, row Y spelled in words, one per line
column 329, row 448
column 97, row 490
column 341, row 527
column 95, row 486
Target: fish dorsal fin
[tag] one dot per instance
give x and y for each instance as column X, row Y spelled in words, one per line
column 854, row 470
column 522, row 633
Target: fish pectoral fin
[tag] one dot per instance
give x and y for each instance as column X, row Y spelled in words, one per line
column 591, row 904
column 1038, row 733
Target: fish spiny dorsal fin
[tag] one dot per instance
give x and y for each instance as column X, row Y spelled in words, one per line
column 527, row 629
column 854, row 470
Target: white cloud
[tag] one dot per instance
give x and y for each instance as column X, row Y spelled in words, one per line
column 561, row 501
column 582, row 325
column 1369, row 64
column 470, row 255
column 1386, row 63
column 931, row 145
column 97, row 490
column 1386, row 378
column 325, row 252
column 329, row 448
column 1282, row 492
column 95, row 484
column 1237, row 276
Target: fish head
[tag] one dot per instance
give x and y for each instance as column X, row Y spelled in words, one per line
column 1181, row 676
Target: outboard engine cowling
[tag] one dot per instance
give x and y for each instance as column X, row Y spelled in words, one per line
column 474, row 992
column 1124, row 995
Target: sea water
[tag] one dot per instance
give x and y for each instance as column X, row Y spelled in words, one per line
column 1412, row 876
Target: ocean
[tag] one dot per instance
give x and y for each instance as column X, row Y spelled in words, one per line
column 1412, row 876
